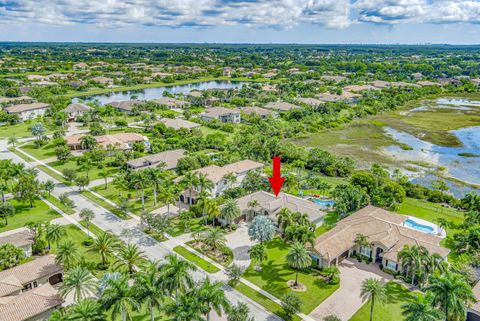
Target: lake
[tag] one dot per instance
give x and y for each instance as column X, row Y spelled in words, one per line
column 157, row 92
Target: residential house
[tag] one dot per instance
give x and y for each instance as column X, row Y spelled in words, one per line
column 261, row 112
column 310, row 101
column 122, row 141
column 280, row 106
column 35, row 77
column 45, row 83
column 22, row 240
column 346, row 96
column 75, row 110
column 225, row 115
column 35, row 305
column 270, row 205
column 28, row 111
column 178, row 123
column 167, row 159
column 380, row 84
column 335, row 79
column 21, row 99
column 270, row 88
column 473, row 312
column 426, row 83
column 80, row 65
column 171, row 103
column 103, row 81
column 386, row 233
column 30, row 275
column 359, row 88
column 217, row 174
column 125, row 106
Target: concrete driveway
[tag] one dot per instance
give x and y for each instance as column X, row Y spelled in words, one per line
column 346, row 300
column 240, row 243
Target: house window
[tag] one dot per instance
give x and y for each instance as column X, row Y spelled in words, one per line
column 391, row 265
column 35, row 284
column 27, row 287
column 366, row 251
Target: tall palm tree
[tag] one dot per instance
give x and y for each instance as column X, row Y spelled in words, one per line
column 105, row 244
column 87, row 142
column 87, row 215
column 284, row 218
column 212, row 297
column 373, row 290
column 298, row 258
column 67, row 254
column 130, row 255
column 230, row 178
column 204, row 183
column 214, row 238
column 190, row 181
column 120, row 298
column 86, row 310
column 451, row 293
column 412, row 258
column 54, row 233
column 169, row 195
column 252, row 205
column 258, row 253
column 156, row 177
column 147, row 290
column 187, row 307
column 79, row 281
column 141, row 181
column 203, row 200
column 176, row 274
column 230, row 211
column 421, row 309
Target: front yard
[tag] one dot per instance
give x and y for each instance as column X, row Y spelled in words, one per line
column 276, row 273
column 390, row 310
column 41, row 213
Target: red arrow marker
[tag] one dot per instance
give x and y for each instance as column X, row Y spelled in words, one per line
column 276, row 181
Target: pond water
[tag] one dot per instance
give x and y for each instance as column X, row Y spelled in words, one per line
column 157, row 92
column 454, row 159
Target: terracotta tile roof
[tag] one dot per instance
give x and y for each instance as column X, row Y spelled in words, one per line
column 216, row 173
column 170, row 158
column 215, row 112
column 280, row 105
column 257, row 110
column 18, row 239
column 105, row 140
column 25, row 273
column 177, row 123
column 29, row 304
column 380, row 226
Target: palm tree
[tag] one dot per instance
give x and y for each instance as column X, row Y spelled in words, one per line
column 421, row 309
column 361, row 240
column 214, row 238
column 284, row 218
column 230, row 178
column 451, row 293
column 54, row 233
column 212, row 296
column 412, row 258
column 373, row 290
column 49, row 186
column 130, row 255
column 105, row 244
column 67, row 254
column 258, row 253
column 204, row 183
column 87, row 215
column 79, row 281
column 252, row 205
column 176, row 275
column 190, row 181
column 298, row 258
column 187, row 307
column 471, row 201
column 119, row 297
column 104, row 174
column 140, row 181
column 13, row 140
column 147, row 290
column 87, row 142
column 230, row 211
column 86, row 310
column 203, row 199
column 156, row 177
column 169, row 195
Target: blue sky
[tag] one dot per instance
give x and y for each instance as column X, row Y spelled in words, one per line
column 244, row 21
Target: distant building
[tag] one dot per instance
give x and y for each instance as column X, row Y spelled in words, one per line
column 171, row 103
column 310, row 101
column 345, row 97
column 225, row 115
column 122, row 141
column 178, row 123
column 334, row 78
column 75, row 110
column 125, row 106
column 103, row 81
column 261, row 112
column 381, row 84
column 28, row 111
column 280, row 106
column 22, row 240
column 168, row 159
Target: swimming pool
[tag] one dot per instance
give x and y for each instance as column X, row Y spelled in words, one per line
column 323, row 202
column 419, row 227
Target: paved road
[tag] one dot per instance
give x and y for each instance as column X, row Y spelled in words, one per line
column 130, row 232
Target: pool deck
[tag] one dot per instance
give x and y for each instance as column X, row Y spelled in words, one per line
column 437, row 230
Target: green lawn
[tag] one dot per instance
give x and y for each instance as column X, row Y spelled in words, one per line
column 52, row 199
column 20, row 130
column 93, row 174
column 196, row 224
column 197, row 260
column 207, row 130
column 276, row 273
column 24, row 214
column 390, row 310
column 263, row 301
column 43, row 152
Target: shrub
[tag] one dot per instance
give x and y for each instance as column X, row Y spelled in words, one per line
column 291, row 304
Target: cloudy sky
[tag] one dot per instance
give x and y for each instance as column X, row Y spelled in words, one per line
column 232, row 21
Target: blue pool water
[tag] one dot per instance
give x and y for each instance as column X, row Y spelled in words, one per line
column 323, row 202
column 419, row 227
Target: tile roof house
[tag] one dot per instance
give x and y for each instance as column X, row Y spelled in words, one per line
column 103, row 80
column 21, row 99
column 359, row 88
column 386, row 233
column 261, row 112
column 280, row 106
column 123, row 141
column 28, row 111
column 345, row 97
column 30, row 275
column 270, row 205
column 178, row 123
column 168, row 159
column 473, row 312
column 21, row 239
column 125, row 106
column 171, row 103
column 310, row 101
column 216, row 175
column 76, row 109
column 225, row 115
